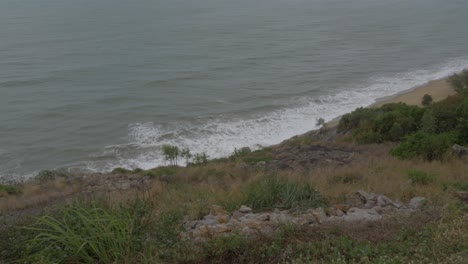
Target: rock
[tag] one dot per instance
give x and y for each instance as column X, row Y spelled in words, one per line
column 417, row 203
column 319, row 215
column 244, row 209
column 361, row 215
column 383, row 201
column 208, row 220
column 217, row 210
column 463, row 196
column 263, row 217
column 460, row 150
column 260, row 164
column 223, row 219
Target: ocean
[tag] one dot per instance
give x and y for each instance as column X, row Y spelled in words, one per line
column 91, row 85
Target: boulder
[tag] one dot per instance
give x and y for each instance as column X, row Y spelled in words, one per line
column 460, row 150
column 319, row 215
column 217, row 210
column 417, row 203
column 361, row 215
column 244, row 209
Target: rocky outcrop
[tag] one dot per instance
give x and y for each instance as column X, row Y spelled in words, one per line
column 373, row 207
column 305, row 156
column 460, row 150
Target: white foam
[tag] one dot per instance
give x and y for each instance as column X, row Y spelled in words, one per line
column 219, row 136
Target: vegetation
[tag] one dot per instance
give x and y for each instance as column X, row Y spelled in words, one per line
column 273, row 192
column 426, row 100
column 420, row 177
column 8, row 190
column 147, row 225
column 422, row 132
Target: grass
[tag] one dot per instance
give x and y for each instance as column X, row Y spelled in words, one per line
column 87, row 234
column 6, row 190
column 146, row 225
column 274, row 192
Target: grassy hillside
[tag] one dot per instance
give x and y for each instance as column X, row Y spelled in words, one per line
column 138, row 216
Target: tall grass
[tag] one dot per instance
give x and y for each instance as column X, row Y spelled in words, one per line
column 275, row 192
column 87, row 234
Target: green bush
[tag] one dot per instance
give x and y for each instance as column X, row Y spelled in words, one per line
column 47, row 175
column 459, row 81
column 87, row 234
column 445, row 114
column 9, row 190
column 390, row 122
column 420, row 177
column 426, row 100
column 273, row 192
column 426, row 145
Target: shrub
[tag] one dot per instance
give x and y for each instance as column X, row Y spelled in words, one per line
column 185, row 153
column 171, row 154
column 320, row 122
column 426, row 145
column 420, row 177
column 87, row 234
column 275, row 192
column 47, row 175
column 390, row 122
column 459, row 81
column 199, row 159
column 240, row 153
column 426, row 100
column 120, row 170
column 8, row 190
column 162, row 171
column 445, row 113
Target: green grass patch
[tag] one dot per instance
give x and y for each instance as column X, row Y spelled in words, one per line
column 6, row 190
column 418, row 177
column 88, row 234
column 274, row 192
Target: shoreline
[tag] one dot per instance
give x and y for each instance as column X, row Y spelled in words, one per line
column 439, row 89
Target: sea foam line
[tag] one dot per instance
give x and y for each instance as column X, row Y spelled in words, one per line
column 219, row 136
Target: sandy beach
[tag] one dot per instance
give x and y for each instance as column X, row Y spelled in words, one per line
column 438, row 89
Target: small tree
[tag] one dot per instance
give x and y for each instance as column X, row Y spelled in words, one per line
column 171, row 154
column 200, row 159
column 185, row 153
column 426, row 100
column 320, row 122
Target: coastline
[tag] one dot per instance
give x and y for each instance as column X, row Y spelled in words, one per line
column 439, row 89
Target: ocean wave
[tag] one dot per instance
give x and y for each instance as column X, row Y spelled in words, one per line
column 218, row 136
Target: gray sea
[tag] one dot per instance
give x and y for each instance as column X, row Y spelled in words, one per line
column 98, row 84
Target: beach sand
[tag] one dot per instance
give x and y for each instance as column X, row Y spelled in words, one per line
column 438, row 89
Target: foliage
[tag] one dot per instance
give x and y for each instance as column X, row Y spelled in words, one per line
column 426, row 100
column 162, row 171
column 199, row 159
column 420, row 177
column 275, row 192
column 320, row 122
column 459, row 81
column 171, row 154
column 9, row 190
column 390, row 122
column 88, row 234
column 47, row 175
column 185, row 153
column 426, row 145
